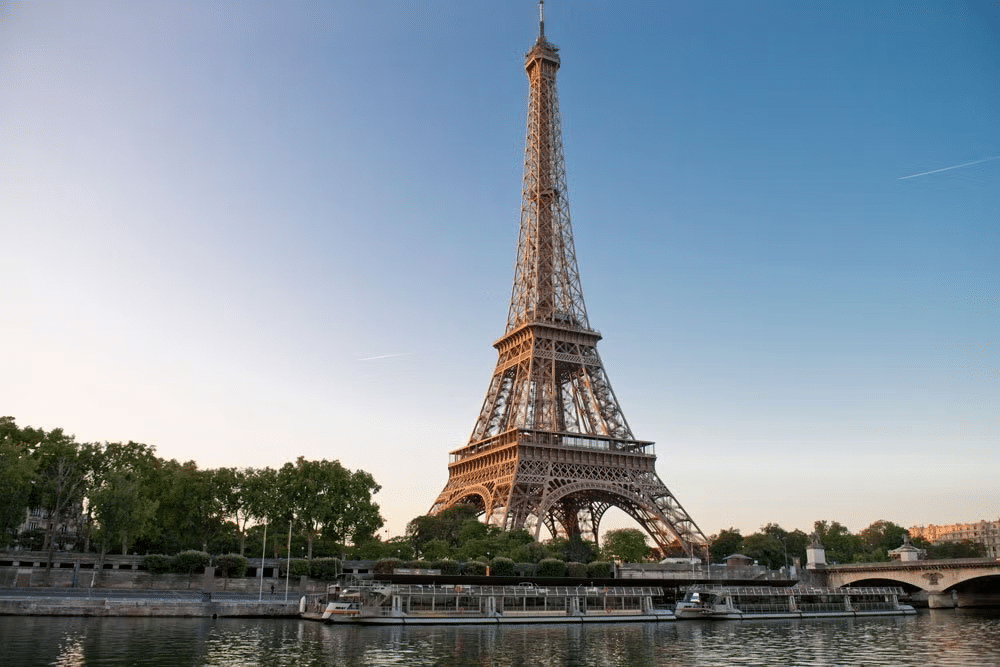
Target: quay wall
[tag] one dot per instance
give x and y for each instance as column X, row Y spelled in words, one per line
column 65, row 606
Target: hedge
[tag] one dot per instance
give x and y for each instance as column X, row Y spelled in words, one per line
column 502, row 567
column 157, row 563
column 188, row 562
column 551, row 567
column 231, row 565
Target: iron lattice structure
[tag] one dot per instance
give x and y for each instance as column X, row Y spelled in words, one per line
column 551, row 446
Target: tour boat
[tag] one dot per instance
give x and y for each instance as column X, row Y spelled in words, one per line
column 406, row 604
column 749, row 602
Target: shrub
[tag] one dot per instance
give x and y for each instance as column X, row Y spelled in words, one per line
column 325, row 569
column 599, row 569
column 419, row 565
column 551, row 567
column 446, row 565
column 189, row 562
column 299, row 567
column 231, row 565
column 502, row 567
column 525, row 569
column 474, row 567
column 387, row 565
column 157, row 563
column 576, row 570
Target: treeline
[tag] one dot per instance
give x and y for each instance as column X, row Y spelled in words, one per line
column 103, row 497
column 775, row 547
column 121, row 497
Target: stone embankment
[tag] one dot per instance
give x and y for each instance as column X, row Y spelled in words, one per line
column 64, row 603
column 82, row 585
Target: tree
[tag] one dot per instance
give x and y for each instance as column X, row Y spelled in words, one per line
column 64, row 468
column 120, row 492
column 765, row 549
column 841, row 545
column 625, row 545
column 573, row 549
column 444, row 526
column 881, row 537
column 726, row 543
column 188, row 513
column 323, row 496
column 121, row 509
column 242, row 496
column 17, row 476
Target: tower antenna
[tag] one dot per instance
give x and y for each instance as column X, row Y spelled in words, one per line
column 541, row 19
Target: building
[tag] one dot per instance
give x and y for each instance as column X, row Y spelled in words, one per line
column 981, row 532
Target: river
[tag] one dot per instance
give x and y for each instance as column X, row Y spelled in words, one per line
column 966, row 638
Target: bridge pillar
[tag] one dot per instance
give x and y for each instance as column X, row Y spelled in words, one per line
column 942, row 599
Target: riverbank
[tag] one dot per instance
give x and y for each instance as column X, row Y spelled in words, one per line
column 98, row 603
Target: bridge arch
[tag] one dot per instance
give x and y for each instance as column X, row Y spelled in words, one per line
column 942, row 583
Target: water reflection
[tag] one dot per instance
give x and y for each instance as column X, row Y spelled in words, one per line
column 961, row 637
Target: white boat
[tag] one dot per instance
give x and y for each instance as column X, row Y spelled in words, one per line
column 404, row 604
column 750, row 602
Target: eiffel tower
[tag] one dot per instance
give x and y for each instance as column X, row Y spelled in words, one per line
column 551, row 446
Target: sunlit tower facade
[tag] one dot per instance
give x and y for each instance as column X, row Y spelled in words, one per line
column 551, row 446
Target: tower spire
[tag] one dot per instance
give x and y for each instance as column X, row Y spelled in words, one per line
column 551, row 446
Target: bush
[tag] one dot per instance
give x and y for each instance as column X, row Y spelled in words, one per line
column 525, row 569
column 446, row 565
column 231, row 565
column 474, row 568
column 419, row 565
column 502, row 567
column 551, row 567
column 576, row 570
column 599, row 569
column 157, row 563
column 325, row 569
column 189, row 562
column 299, row 567
column 387, row 565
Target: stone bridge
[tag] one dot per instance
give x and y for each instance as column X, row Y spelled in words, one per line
column 958, row 582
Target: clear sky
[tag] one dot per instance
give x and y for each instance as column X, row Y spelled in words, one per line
column 244, row 232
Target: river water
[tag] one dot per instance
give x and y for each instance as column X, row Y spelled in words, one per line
column 966, row 638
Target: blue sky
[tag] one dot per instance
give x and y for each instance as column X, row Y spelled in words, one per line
column 248, row 232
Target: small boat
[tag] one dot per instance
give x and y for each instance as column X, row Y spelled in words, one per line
column 405, row 604
column 750, row 602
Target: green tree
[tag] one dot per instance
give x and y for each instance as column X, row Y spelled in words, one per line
column 726, row 543
column 64, row 469
column 572, row 549
column 242, row 494
column 841, row 545
column 444, row 526
column 120, row 493
column 963, row 549
column 17, row 476
column 323, row 496
column 881, row 537
column 765, row 549
column 625, row 545
column 188, row 513
column 121, row 508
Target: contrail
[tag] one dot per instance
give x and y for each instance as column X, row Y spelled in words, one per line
column 384, row 356
column 957, row 166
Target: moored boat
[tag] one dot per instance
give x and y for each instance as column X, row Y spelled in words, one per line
column 404, row 604
column 749, row 602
